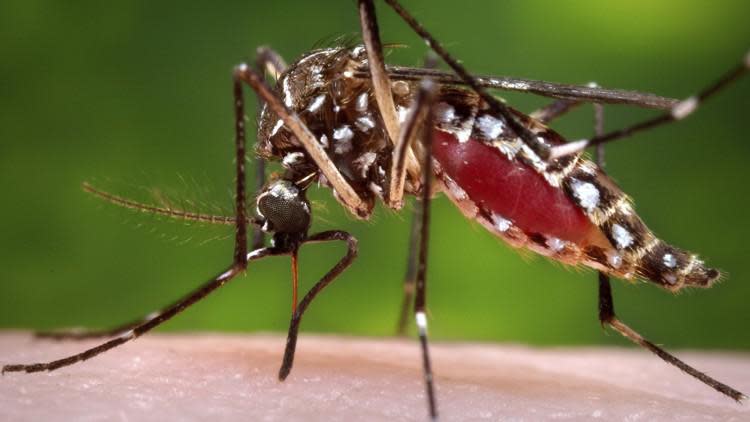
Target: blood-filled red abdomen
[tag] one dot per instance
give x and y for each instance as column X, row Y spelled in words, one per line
column 511, row 189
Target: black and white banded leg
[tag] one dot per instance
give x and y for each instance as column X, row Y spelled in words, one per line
column 425, row 98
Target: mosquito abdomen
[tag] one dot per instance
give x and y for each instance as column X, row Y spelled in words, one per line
column 567, row 210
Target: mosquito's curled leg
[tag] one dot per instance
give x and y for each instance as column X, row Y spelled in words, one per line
column 341, row 265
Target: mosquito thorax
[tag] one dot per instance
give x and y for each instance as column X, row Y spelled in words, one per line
column 341, row 111
column 283, row 207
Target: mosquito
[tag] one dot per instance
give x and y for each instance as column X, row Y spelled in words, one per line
column 341, row 118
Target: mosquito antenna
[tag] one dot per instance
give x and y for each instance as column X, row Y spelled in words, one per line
column 168, row 211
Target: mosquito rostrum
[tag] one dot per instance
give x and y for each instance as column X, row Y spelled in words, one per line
column 338, row 117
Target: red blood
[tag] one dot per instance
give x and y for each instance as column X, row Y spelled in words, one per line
column 511, row 189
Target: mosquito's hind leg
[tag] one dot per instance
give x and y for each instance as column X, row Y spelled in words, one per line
column 607, row 307
column 678, row 112
column 607, row 317
column 341, row 265
column 267, row 62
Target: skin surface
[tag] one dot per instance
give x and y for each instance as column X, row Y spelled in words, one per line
column 233, row 377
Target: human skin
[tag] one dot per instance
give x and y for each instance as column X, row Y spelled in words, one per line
column 233, row 377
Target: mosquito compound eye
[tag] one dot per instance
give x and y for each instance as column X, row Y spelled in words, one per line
column 284, row 207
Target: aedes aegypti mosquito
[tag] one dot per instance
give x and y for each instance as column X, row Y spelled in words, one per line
column 340, row 117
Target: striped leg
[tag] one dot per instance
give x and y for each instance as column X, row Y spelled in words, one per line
column 426, row 97
column 147, row 325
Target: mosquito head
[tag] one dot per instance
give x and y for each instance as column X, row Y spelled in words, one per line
column 284, row 208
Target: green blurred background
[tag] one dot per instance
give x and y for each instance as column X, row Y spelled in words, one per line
column 138, row 94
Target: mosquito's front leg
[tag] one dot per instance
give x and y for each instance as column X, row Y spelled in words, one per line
column 341, row 265
column 155, row 320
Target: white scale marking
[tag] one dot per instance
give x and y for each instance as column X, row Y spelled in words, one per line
column 292, row 158
column 489, row 126
column 365, row 161
column 458, row 193
column 344, row 137
column 277, row 126
column 421, row 322
column 569, row 148
column 377, row 190
column 444, row 112
column 403, row 112
column 614, row 259
column 622, row 236
column 501, row 224
column 555, row 244
column 362, row 101
column 127, row 335
column 316, row 103
column 587, row 194
column 684, row 108
column 364, row 123
column 669, row 260
column 288, row 98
